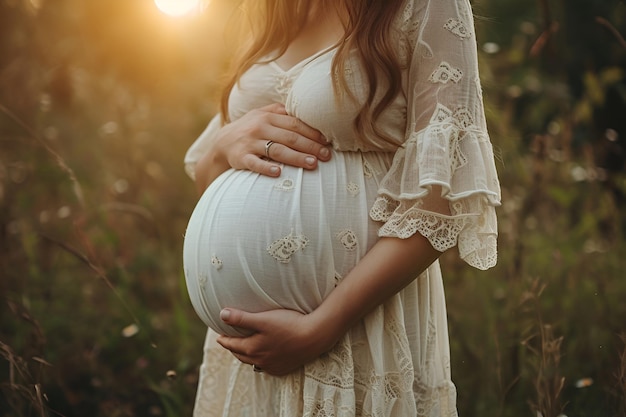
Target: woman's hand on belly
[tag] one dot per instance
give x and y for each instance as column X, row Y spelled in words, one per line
column 283, row 340
column 241, row 144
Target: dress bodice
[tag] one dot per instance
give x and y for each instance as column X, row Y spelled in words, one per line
column 307, row 92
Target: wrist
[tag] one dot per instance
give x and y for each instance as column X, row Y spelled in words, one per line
column 327, row 327
column 209, row 167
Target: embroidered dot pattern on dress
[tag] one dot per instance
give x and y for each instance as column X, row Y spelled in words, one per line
column 445, row 73
column 353, row 189
column 286, row 184
column 348, row 239
column 216, row 262
column 458, row 28
column 284, row 248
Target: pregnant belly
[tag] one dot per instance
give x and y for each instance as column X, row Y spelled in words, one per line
column 259, row 243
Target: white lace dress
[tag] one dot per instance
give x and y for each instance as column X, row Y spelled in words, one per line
column 256, row 243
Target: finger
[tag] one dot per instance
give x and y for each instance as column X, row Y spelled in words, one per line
column 292, row 124
column 297, row 142
column 260, row 365
column 236, row 346
column 261, row 166
column 242, row 319
column 278, row 108
column 286, row 155
column 301, row 145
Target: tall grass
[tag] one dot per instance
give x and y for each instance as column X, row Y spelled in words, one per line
column 95, row 320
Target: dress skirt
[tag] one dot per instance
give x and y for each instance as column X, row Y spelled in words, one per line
column 394, row 363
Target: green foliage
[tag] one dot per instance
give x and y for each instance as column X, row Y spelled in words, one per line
column 100, row 99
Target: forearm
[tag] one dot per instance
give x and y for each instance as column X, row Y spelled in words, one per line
column 284, row 340
column 385, row 270
column 208, row 168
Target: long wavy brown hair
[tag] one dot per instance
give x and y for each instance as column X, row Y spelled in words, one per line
column 271, row 25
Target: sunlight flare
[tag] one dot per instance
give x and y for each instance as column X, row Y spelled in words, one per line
column 177, row 7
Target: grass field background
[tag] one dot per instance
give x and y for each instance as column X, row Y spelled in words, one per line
column 99, row 101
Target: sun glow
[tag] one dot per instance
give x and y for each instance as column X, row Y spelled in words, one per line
column 177, row 7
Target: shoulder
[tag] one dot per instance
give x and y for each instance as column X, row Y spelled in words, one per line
column 428, row 22
column 407, row 27
column 415, row 13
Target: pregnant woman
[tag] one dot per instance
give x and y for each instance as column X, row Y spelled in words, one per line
column 315, row 264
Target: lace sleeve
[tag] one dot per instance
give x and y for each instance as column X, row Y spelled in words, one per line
column 443, row 182
column 199, row 147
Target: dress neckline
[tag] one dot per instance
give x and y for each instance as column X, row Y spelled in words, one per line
column 305, row 61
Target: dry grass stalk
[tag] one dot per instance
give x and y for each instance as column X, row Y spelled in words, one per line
column 20, row 391
column 546, row 348
column 620, row 376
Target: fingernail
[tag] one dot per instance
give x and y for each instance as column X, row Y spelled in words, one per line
column 225, row 314
column 325, row 152
column 310, row 160
column 274, row 170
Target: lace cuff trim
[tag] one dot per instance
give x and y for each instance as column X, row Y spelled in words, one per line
column 441, row 231
column 476, row 246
